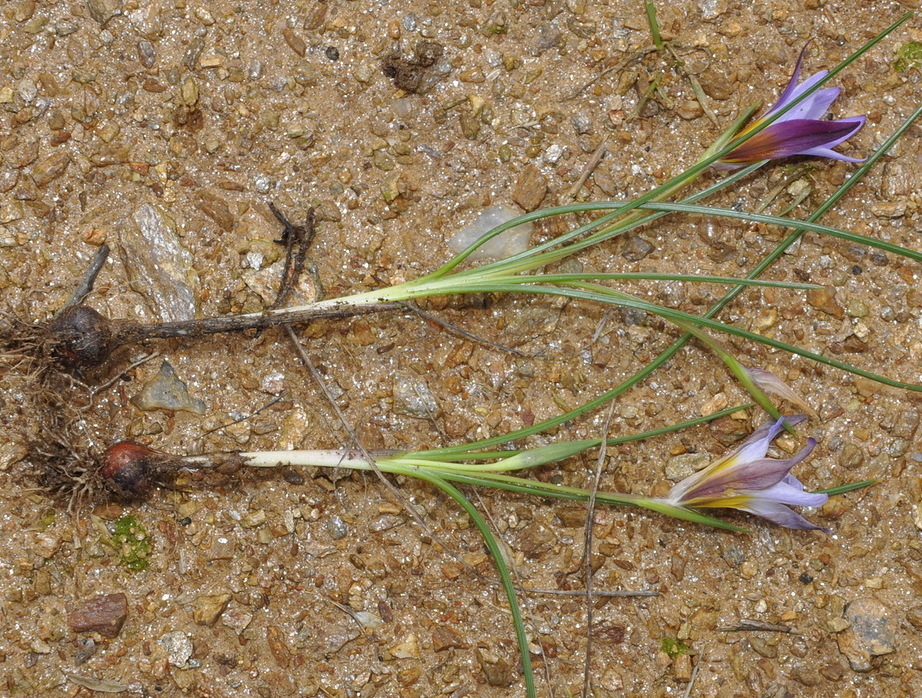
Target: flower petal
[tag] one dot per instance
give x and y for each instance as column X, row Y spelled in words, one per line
column 749, row 479
column 809, row 104
column 769, row 383
column 753, row 478
column 753, row 448
column 756, row 446
column 788, row 94
column 797, row 137
column 813, row 107
column 781, row 515
column 785, row 493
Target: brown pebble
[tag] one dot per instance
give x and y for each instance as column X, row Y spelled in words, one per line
column 690, row 109
column 728, row 431
column 110, row 154
column 763, row 647
column 832, row 671
column 316, row 16
column 497, row 670
column 716, row 85
column 571, row 517
column 851, row 457
column 914, row 616
column 295, row 42
column 536, row 541
column 445, row 637
column 104, row 10
column 216, row 208
column 207, row 609
column 870, row 633
column 49, row 169
column 102, row 614
column 824, row 299
column 408, row 73
column 682, row 668
column 807, row 676
column 636, row 248
column 409, row 675
column 677, row 567
column 277, row 646
column 530, row 189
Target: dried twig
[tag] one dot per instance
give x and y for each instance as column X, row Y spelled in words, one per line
column 297, row 239
column 615, row 68
column 749, row 625
column 454, row 329
column 587, row 547
column 86, row 284
column 594, row 161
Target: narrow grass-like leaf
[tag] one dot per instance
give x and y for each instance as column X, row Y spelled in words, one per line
column 642, row 276
column 612, row 297
column 850, row 487
column 474, row 449
column 504, row 575
column 541, row 489
column 655, row 35
column 781, row 221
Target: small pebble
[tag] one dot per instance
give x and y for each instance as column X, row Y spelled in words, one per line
column 685, row 464
column 158, row 265
column 496, row 670
column 445, row 637
column 104, row 10
column 530, row 188
column 413, row 397
column 102, row 614
column 50, row 168
column 871, row 633
column 208, row 608
column 824, row 299
column 178, row 648
column 914, row 617
column 582, row 124
column 506, row 244
column 167, row 392
column 553, row 154
column 408, row 648
column 636, row 248
column 337, row 528
column 690, row 109
column 262, row 184
column 86, row 648
column 147, row 53
column 213, row 204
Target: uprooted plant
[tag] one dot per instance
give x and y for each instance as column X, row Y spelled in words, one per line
column 80, row 338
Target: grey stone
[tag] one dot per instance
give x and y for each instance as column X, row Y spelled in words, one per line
column 159, row 267
column 871, row 633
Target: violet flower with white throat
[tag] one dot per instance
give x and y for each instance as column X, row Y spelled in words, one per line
column 749, row 481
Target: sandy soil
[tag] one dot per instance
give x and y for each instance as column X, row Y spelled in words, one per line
column 186, row 118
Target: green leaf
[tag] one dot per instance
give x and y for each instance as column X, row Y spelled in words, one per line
column 501, row 567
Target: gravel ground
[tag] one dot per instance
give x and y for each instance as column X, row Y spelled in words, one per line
column 164, row 128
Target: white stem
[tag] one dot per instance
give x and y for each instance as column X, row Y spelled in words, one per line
column 315, row 458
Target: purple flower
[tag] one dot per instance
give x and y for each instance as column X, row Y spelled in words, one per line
column 800, row 131
column 747, row 480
